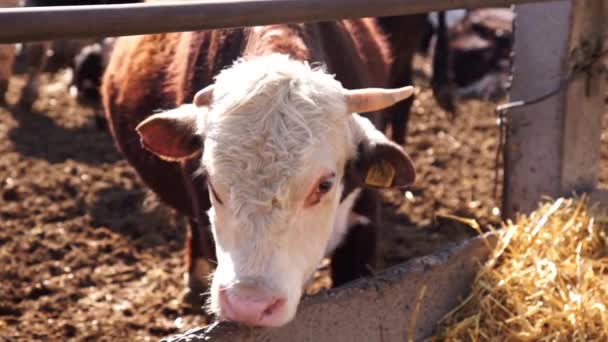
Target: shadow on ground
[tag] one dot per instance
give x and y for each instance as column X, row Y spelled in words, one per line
column 39, row 136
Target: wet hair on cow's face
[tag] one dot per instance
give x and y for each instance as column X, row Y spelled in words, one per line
column 276, row 138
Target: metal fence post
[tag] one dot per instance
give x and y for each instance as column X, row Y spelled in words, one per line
column 552, row 147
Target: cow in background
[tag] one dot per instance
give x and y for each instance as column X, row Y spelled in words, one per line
column 476, row 47
column 89, row 66
column 481, row 52
column 51, row 56
column 470, row 53
column 270, row 158
column 7, row 57
column 406, row 35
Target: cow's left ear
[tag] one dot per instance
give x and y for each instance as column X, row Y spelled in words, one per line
column 380, row 163
column 172, row 135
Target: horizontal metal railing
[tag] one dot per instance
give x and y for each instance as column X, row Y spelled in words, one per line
column 45, row 23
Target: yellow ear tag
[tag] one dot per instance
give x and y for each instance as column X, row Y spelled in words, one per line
column 380, row 174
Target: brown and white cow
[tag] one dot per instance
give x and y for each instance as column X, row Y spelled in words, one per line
column 270, row 158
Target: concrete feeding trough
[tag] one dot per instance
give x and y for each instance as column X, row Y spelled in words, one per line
column 401, row 303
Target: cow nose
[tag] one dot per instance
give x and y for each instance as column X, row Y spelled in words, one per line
column 252, row 305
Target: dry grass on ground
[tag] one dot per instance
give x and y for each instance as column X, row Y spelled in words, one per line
column 547, row 280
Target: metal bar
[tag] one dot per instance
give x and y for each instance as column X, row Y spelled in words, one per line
column 45, row 23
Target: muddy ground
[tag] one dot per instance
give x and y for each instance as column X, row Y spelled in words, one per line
column 86, row 253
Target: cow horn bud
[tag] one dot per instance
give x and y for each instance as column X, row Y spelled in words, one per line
column 203, row 97
column 372, row 99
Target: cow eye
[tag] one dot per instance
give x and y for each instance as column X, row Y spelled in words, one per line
column 326, row 185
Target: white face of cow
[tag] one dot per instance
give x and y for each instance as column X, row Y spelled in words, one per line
column 277, row 136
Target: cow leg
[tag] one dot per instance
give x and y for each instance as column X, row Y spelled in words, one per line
column 36, row 60
column 7, row 58
column 357, row 256
column 442, row 79
column 400, row 113
column 401, row 76
column 405, row 34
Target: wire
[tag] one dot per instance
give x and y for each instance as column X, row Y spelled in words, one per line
column 502, row 109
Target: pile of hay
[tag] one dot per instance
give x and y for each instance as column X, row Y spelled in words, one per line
column 546, row 281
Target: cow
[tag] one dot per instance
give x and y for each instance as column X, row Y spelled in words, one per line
column 51, row 56
column 7, row 58
column 88, row 68
column 264, row 149
column 480, row 47
column 470, row 56
column 406, row 35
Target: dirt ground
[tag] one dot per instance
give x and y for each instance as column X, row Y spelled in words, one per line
column 87, row 253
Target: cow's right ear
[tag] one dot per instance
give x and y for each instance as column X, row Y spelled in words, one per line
column 172, row 135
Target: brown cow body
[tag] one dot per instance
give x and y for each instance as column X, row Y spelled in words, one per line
column 147, row 73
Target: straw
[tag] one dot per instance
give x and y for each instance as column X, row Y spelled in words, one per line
column 547, row 280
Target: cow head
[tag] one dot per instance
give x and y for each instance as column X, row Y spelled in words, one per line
column 278, row 139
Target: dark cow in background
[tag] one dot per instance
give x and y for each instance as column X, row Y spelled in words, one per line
column 408, row 35
column 271, row 160
column 477, row 50
column 89, row 66
column 470, row 53
column 481, row 52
